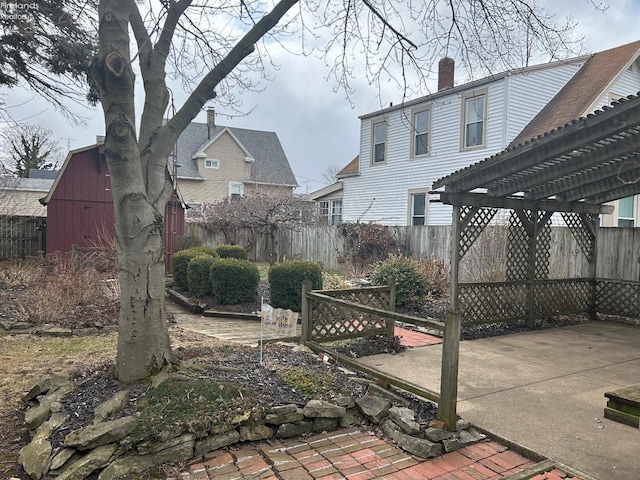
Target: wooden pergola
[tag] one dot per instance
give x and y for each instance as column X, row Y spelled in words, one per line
column 570, row 171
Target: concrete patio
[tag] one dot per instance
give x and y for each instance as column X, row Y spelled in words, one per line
column 543, row 390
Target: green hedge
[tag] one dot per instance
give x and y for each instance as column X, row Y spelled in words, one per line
column 180, row 262
column 232, row 251
column 285, row 283
column 199, row 275
column 234, row 281
column 411, row 282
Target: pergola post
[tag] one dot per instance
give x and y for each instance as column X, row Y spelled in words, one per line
column 531, row 270
column 593, row 265
column 451, row 337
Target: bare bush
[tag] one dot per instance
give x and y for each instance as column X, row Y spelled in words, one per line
column 60, row 293
column 437, row 274
column 486, row 260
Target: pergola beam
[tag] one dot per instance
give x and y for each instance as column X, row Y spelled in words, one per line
column 615, row 194
column 566, row 164
column 519, row 203
column 597, row 186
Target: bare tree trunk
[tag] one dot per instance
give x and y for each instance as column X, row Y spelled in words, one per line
column 143, row 339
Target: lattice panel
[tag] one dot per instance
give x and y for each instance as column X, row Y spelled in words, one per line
column 517, row 248
column 367, row 297
column 475, row 220
column 562, row 297
column 492, row 302
column 618, row 298
column 331, row 322
column 543, row 250
column 581, row 232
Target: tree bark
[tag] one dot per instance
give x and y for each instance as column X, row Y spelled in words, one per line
column 143, row 339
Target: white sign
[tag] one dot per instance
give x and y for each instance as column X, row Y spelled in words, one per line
column 278, row 321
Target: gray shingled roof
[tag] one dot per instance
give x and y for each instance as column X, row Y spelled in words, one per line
column 26, row 184
column 271, row 164
column 38, row 173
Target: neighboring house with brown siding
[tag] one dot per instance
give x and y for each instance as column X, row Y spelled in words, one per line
column 215, row 162
column 406, row 147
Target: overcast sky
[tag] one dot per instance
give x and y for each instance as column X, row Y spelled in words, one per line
column 317, row 126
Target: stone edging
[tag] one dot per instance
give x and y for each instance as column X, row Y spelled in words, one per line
column 102, row 446
column 8, row 327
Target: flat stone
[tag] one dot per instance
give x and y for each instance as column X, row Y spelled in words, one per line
column 437, row 434
column 46, row 429
column 470, row 436
column 154, row 447
column 415, row 446
column 289, row 430
column 405, row 418
column 101, row 434
column 55, row 331
column 351, row 417
column 44, row 385
column 252, row 433
column 57, row 394
column 34, row 457
column 373, row 407
column 120, row 468
column 284, row 409
column 462, row 424
column 215, row 442
column 451, row 444
column 35, row 416
column 321, row 424
column 89, row 463
column 161, row 377
column 174, row 454
column 346, row 402
column 111, row 406
column 322, row 409
column 61, row 458
column 274, row 419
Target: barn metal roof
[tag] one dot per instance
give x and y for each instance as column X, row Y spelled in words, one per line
column 589, row 161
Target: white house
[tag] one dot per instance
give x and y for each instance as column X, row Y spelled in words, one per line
column 405, row 148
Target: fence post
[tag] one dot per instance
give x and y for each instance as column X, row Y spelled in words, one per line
column 391, row 322
column 306, row 313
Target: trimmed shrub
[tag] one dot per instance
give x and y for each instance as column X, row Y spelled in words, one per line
column 234, row 281
column 180, row 262
column 285, row 283
column 232, row 251
column 199, row 274
column 411, row 282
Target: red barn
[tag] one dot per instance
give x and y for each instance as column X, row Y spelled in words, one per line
column 80, row 206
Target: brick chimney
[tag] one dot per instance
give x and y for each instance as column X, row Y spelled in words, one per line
column 445, row 73
column 211, row 121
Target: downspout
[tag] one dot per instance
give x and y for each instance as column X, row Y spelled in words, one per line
column 505, row 110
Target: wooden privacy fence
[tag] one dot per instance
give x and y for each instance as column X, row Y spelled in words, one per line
column 21, row 237
column 618, row 259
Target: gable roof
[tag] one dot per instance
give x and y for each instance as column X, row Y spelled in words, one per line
column 26, row 184
column 40, row 173
column 578, row 96
column 270, row 166
column 328, row 190
column 351, row 169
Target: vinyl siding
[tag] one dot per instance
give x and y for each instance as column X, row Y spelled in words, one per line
column 233, row 168
column 380, row 192
column 628, row 83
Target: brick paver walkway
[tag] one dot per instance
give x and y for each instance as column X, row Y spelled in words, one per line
column 354, row 455
column 411, row 338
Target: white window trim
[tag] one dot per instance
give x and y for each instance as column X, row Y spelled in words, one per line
column 373, row 144
column 463, row 120
column 331, row 210
column 410, row 193
column 632, row 218
column 217, row 163
column 232, row 184
column 414, row 132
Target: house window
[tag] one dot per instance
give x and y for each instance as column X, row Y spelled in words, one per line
column 323, row 209
column 379, row 142
column 418, row 208
column 420, row 137
column 211, row 163
column 336, row 212
column 236, row 189
column 473, row 121
column 626, row 212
